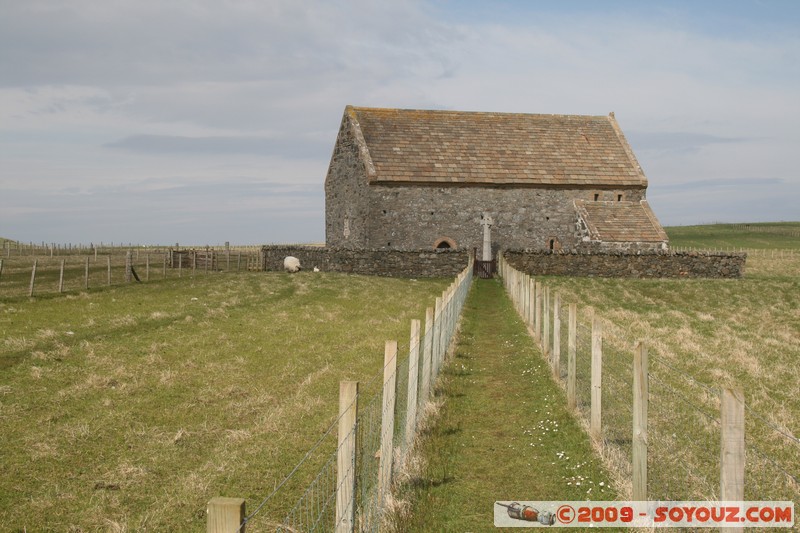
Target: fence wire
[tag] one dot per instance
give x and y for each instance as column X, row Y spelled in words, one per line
column 367, row 460
column 684, row 444
column 617, row 409
column 684, row 428
column 772, row 461
column 316, row 509
column 583, row 369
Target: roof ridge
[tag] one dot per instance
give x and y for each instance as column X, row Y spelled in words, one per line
column 462, row 112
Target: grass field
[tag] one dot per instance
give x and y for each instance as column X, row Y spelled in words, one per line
column 503, row 433
column 127, row 409
column 772, row 236
column 704, row 335
column 710, row 333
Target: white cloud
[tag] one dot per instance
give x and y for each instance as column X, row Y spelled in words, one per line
column 205, row 93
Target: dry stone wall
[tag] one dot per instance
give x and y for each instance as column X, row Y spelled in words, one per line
column 646, row 264
column 448, row 263
column 388, row 263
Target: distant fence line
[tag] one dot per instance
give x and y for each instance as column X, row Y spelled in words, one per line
column 772, row 253
column 757, row 228
column 352, row 491
column 31, row 249
column 660, row 428
column 25, row 276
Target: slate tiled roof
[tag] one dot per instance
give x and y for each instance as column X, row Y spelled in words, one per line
column 621, row 221
column 495, row 148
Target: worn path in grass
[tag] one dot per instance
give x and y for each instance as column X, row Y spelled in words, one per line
column 504, row 432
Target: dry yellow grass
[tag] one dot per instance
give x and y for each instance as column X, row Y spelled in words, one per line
column 128, row 409
column 704, row 335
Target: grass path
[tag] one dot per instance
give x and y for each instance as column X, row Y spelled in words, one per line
column 504, row 431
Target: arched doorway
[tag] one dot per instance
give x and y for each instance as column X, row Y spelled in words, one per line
column 444, row 243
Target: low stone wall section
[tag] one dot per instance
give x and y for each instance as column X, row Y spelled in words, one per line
column 629, row 265
column 388, row 263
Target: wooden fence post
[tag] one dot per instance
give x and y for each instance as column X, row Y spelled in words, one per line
column 128, row 266
column 597, row 379
column 346, row 457
column 165, row 266
column 537, row 326
column 437, row 334
column 108, row 261
column 1, row 266
column 33, row 278
column 387, row 421
column 180, row 265
column 225, row 515
column 572, row 348
column 61, row 278
column 532, row 298
column 427, row 348
column 413, row 382
column 557, row 337
column 733, row 452
column 546, row 325
column 522, row 294
column 640, row 401
column 147, row 267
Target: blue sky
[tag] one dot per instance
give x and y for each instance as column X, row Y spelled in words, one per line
column 207, row 121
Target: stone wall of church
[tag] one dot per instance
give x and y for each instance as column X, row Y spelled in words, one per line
column 346, row 199
column 403, row 217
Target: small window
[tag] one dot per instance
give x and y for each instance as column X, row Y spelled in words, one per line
column 596, row 196
column 444, row 245
column 388, row 244
column 384, row 211
column 552, row 244
column 619, row 197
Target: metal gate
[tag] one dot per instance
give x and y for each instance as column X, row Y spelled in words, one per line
column 485, row 269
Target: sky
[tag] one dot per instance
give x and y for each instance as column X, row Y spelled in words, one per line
column 206, row 121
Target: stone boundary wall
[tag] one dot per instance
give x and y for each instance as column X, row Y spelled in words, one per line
column 629, row 265
column 388, row 263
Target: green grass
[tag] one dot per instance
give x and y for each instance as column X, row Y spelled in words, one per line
column 709, row 334
column 773, row 235
column 129, row 408
column 503, row 432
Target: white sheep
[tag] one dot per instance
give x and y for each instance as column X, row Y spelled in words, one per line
column 291, row 264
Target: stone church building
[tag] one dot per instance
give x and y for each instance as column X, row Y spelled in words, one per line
column 421, row 180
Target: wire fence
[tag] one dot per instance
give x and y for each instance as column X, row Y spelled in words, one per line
column 683, row 417
column 771, row 253
column 81, row 270
column 10, row 249
column 364, row 452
